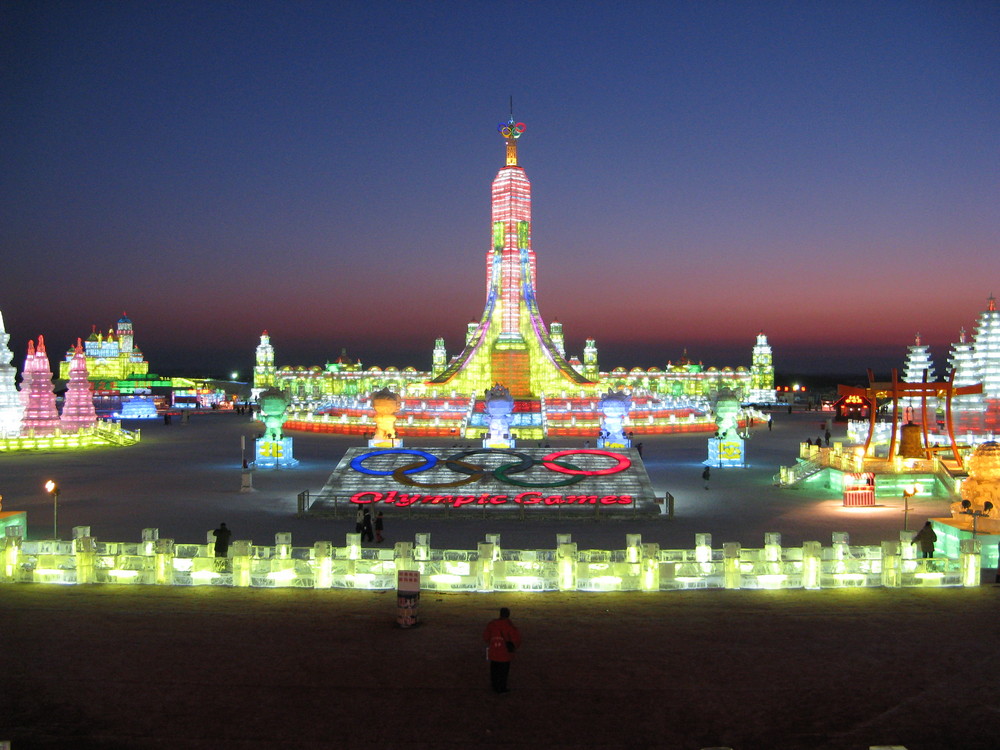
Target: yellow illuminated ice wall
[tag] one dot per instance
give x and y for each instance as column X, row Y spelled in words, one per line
column 636, row 567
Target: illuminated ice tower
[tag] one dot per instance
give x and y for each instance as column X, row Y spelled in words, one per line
column 78, row 408
column 962, row 363
column 11, row 404
column 988, row 350
column 40, row 414
column 263, row 371
column 978, row 361
column 762, row 373
column 918, row 361
column 511, row 344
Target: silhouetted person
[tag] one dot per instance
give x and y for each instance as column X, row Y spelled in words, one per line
column 222, row 536
column 359, row 521
column 926, row 538
column 638, row 449
column 367, row 535
column 706, row 475
column 501, row 639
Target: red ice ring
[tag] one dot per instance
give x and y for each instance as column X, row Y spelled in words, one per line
column 624, row 462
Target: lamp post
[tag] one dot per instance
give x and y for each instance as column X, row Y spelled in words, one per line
column 977, row 514
column 908, row 492
column 53, row 489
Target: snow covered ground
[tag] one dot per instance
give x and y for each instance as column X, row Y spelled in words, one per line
column 184, row 479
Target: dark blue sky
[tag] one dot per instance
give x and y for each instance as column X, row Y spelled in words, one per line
column 827, row 172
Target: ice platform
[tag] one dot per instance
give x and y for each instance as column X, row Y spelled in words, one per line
column 528, row 483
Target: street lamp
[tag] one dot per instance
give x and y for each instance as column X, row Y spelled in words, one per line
column 908, row 492
column 53, row 489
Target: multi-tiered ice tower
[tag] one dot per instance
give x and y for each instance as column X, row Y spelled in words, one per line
column 11, row 404
column 511, row 344
column 979, row 362
column 78, row 408
column 40, row 414
column 918, row 362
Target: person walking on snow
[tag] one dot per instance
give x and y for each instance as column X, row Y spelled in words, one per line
column 502, row 639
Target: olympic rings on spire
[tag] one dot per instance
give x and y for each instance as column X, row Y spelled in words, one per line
column 511, row 129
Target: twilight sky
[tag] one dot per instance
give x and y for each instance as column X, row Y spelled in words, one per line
column 828, row 172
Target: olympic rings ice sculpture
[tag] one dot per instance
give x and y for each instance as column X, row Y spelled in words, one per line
column 502, row 473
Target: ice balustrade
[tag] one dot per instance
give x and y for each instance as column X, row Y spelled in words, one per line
column 814, row 458
column 101, row 433
column 637, row 567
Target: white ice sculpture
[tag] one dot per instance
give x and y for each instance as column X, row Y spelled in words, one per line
column 614, row 406
column 11, row 403
column 499, row 408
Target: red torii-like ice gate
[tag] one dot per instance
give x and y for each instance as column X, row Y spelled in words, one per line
column 897, row 389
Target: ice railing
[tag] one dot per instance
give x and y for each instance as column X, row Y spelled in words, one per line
column 813, row 458
column 103, row 432
column 637, row 567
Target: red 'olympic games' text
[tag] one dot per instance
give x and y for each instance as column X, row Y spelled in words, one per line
column 403, row 499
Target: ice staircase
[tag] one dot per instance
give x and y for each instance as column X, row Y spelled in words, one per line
column 805, row 468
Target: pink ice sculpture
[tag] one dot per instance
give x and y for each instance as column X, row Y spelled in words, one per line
column 40, row 414
column 78, row 408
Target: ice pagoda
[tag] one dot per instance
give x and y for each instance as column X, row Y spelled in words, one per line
column 78, row 408
column 978, row 361
column 918, row 362
column 40, row 414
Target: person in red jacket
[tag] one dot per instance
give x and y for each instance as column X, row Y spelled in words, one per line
column 502, row 639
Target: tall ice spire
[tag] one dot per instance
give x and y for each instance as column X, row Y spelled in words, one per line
column 511, row 345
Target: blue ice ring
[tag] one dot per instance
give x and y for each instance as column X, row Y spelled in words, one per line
column 358, row 461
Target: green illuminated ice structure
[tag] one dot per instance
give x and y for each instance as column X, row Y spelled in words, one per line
column 273, row 450
column 727, row 447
